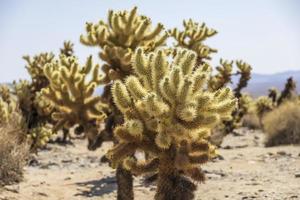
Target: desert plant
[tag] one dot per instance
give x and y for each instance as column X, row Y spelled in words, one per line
column 36, row 109
column 117, row 39
column 223, row 75
column 71, row 91
column 192, row 37
column 274, row 95
column 282, row 125
column 288, row 92
column 13, row 154
column 263, row 105
column 168, row 114
column 13, row 140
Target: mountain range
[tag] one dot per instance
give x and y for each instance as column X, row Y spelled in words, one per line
column 260, row 83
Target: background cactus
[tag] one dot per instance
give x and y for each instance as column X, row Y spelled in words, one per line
column 263, row 105
column 35, row 108
column 223, row 76
column 193, row 37
column 168, row 114
column 118, row 38
column 71, row 92
column 274, row 95
column 288, row 92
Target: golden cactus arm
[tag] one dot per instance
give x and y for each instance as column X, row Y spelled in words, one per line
column 138, row 168
column 120, row 152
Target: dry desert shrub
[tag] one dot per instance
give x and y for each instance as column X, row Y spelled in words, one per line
column 282, row 125
column 251, row 121
column 13, row 155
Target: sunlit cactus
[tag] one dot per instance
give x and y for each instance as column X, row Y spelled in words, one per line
column 168, row 114
column 25, row 96
column 68, row 49
column 40, row 135
column 193, row 37
column 10, row 113
column 223, row 76
column 5, row 93
column 71, row 90
column 288, row 92
column 35, row 68
column 244, row 70
column 263, row 105
column 6, row 110
column 43, row 106
column 118, row 38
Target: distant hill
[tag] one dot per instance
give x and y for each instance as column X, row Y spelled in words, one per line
column 260, row 83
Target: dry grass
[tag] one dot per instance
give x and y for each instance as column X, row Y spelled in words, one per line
column 251, row 121
column 13, row 155
column 282, row 125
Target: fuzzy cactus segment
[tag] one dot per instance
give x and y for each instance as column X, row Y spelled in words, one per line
column 71, row 91
column 119, row 37
column 193, row 37
column 166, row 114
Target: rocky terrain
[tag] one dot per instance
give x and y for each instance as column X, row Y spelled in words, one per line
column 245, row 170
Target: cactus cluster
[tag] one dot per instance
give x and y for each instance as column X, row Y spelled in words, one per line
column 36, row 109
column 169, row 114
column 72, row 92
column 118, row 38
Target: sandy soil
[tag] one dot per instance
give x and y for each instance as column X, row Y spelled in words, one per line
column 246, row 170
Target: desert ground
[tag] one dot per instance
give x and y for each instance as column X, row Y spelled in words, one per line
column 244, row 170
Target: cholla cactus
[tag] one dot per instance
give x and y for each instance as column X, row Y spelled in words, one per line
column 193, row 37
column 71, row 92
column 10, row 113
column 40, row 135
column 43, row 106
column 67, row 49
column 5, row 93
column 274, row 95
column 223, row 76
column 119, row 37
column 35, row 68
column 168, row 114
column 263, row 105
column 6, row 111
column 288, row 91
column 22, row 90
column 244, row 70
column 245, row 104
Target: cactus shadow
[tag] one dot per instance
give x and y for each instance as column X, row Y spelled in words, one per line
column 97, row 187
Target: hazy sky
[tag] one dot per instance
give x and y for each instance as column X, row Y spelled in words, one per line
column 265, row 33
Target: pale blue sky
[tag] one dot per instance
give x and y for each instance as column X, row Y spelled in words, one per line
column 265, row 33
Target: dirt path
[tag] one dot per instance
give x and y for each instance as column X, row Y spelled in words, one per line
column 246, row 171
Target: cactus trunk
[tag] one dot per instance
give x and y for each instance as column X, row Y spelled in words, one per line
column 171, row 185
column 125, row 184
